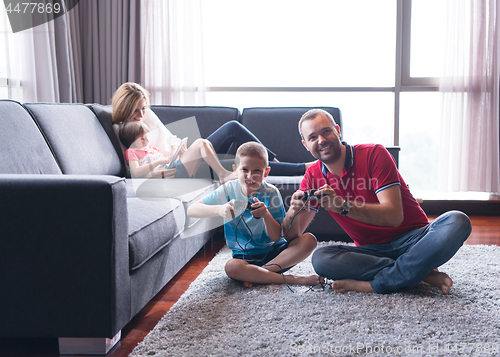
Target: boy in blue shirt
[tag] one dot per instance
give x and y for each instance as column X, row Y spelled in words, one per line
column 260, row 253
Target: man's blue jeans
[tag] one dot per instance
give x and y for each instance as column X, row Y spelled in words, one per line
column 404, row 261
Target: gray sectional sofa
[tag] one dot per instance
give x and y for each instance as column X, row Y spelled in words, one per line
column 83, row 247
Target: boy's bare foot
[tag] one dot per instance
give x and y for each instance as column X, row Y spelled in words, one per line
column 295, row 280
column 276, row 160
column 345, row 285
column 439, row 279
column 309, row 164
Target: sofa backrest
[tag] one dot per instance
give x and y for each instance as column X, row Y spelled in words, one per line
column 103, row 113
column 77, row 139
column 209, row 119
column 277, row 128
column 23, row 147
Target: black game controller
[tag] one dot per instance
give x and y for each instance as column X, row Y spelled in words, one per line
column 310, row 196
column 240, row 205
column 250, row 208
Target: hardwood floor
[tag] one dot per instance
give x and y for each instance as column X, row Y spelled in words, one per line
column 485, row 230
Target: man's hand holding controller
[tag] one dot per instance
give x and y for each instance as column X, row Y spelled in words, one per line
column 325, row 196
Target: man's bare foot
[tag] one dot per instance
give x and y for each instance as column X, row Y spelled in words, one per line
column 345, row 285
column 246, row 284
column 439, row 279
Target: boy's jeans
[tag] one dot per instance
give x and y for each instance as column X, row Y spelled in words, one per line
column 404, row 261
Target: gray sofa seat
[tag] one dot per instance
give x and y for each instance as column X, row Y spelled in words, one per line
column 151, row 226
column 186, row 191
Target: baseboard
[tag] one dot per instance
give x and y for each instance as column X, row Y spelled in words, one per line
column 87, row 346
column 471, row 203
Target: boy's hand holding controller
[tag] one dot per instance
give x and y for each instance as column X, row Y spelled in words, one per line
column 226, row 210
column 258, row 209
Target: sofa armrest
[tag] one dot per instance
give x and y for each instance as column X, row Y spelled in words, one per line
column 64, row 256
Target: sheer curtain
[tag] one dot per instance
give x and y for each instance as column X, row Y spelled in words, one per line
column 40, row 63
column 469, row 152
column 172, row 51
column 82, row 56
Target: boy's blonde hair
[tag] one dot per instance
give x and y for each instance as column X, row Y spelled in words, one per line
column 125, row 100
column 251, row 149
column 130, row 131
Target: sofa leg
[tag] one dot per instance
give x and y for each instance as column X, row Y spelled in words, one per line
column 87, row 346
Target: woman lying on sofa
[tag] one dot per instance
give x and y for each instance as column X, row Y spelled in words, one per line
column 131, row 103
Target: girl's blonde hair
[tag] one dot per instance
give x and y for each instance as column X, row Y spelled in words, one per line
column 130, row 131
column 125, row 101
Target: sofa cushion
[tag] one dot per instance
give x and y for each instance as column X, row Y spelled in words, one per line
column 277, row 129
column 79, row 142
column 209, row 119
column 152, row 225
column 23, row 147
column 187, row 191
column 287, row 186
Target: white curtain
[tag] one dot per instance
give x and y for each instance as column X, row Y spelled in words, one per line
column 40, row 63
column 173, row 53
column 469, row 152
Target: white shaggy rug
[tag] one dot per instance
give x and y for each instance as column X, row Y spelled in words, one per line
column 219, row 317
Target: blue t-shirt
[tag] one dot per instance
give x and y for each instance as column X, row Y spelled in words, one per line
column 238, row 236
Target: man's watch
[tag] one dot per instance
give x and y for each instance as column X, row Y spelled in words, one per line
column 346, row 207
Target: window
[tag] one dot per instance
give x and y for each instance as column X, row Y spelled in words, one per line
column 424, row 24
column 292, row 43
column 3, row 55
column 419, row 139
column 385, row 55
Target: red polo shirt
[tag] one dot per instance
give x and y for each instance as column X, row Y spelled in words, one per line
column 368, row 169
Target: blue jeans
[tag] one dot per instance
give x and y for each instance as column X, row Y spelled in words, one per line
column 403, row 262
column 233, row 132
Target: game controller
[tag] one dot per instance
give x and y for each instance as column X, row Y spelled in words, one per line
column 310, row 196
column 250, row 208
column 243, row 205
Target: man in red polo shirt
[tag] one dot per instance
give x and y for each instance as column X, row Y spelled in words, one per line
column 362, row 189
